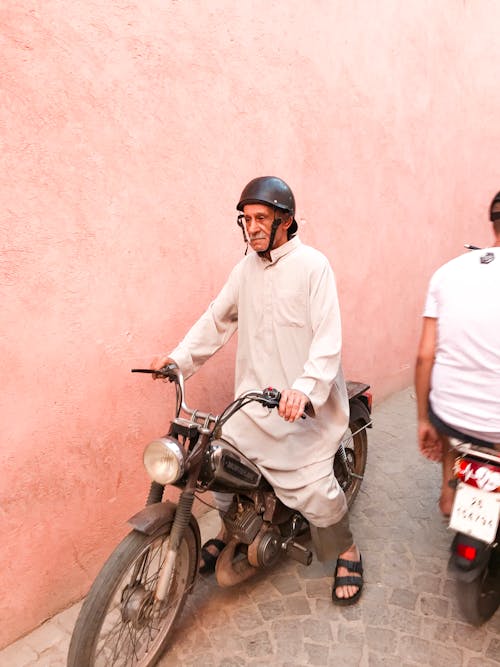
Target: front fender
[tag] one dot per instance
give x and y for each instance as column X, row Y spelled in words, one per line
column 155, row 516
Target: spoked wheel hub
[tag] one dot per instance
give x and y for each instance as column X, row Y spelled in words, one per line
column 137, row 605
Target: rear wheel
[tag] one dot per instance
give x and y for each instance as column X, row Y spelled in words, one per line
column 121, row 624
column 349, row 472
column 480, row 598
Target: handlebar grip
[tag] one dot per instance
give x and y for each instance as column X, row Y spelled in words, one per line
column 165, row 371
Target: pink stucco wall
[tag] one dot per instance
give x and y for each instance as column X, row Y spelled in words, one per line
column 128, row 131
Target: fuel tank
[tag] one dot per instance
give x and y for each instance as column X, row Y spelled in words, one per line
column 224, row 468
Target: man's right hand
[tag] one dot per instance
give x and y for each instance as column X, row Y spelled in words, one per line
column 160, row 362
column 292, row 404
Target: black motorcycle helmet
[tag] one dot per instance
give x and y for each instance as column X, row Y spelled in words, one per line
column 496, row 200
column 271, row 191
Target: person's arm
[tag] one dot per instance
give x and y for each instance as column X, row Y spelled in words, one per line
column 423, row 368
column 428, row 440
column 214, row 328
column 323, row 362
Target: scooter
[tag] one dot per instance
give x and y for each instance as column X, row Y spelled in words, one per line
column 475, row 551
column 129, row 614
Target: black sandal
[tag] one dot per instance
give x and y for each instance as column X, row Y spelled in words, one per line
column 210, row 559
column 354, row 566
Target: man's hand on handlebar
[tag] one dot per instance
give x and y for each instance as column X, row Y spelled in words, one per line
column 292, row 404
column 161, row 362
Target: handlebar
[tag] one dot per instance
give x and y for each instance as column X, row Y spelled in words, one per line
column 168, row 372
column 268, row 397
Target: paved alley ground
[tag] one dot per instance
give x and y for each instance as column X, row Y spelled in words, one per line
column 407, row 617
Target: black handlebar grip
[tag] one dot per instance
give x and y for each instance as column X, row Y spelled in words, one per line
column 165, row 371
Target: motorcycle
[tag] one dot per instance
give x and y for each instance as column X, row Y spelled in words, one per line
column 475, row 550
column 128, row 616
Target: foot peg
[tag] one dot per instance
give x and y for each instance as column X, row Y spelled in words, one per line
column 298, row 552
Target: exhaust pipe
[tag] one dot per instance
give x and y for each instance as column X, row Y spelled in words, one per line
column 229, row 573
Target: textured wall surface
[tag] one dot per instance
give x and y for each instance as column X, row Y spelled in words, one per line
column 128, row 131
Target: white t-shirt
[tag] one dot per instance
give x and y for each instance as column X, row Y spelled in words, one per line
column 464, row 296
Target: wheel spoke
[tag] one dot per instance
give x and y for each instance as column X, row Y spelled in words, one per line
column 133, row 641
column 112, row 640
column 350, row 460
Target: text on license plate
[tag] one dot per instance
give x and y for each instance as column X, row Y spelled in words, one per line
column 475, row 513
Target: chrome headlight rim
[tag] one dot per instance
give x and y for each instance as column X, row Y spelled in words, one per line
column 164, row 460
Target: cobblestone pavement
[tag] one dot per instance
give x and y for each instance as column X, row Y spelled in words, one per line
column 407, row 615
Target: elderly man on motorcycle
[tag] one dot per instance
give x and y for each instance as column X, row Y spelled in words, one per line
column 282, row 299
column 457, row 373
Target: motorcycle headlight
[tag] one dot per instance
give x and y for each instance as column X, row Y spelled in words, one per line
column 164, row 460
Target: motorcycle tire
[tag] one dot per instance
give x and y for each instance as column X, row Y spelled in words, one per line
column 480, row 598
column 119, row 625
column 356, row 450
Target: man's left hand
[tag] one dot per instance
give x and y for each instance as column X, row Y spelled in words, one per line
column 292, row 404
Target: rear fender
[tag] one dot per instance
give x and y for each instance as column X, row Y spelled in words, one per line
column 359, row 411
column 355, row 389
column 463, row 569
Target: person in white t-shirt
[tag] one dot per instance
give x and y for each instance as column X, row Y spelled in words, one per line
column 457, row 375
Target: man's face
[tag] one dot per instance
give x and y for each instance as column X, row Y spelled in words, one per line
column 258, row 220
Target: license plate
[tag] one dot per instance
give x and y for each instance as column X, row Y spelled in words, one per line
column 475, row 513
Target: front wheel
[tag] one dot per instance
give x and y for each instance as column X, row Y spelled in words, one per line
column 349, row 472
column 121, row 624
column 480, row 598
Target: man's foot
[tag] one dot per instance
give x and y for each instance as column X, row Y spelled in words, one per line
column 210, row 551
column 348, row 577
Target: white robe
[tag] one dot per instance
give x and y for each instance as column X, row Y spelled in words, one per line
column 287, row 315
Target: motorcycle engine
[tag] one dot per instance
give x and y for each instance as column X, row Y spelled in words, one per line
column 263, row 539
column 266, row 548
column 243, row 522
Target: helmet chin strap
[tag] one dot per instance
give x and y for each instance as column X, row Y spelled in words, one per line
column 274, row 227
column 241, row 223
